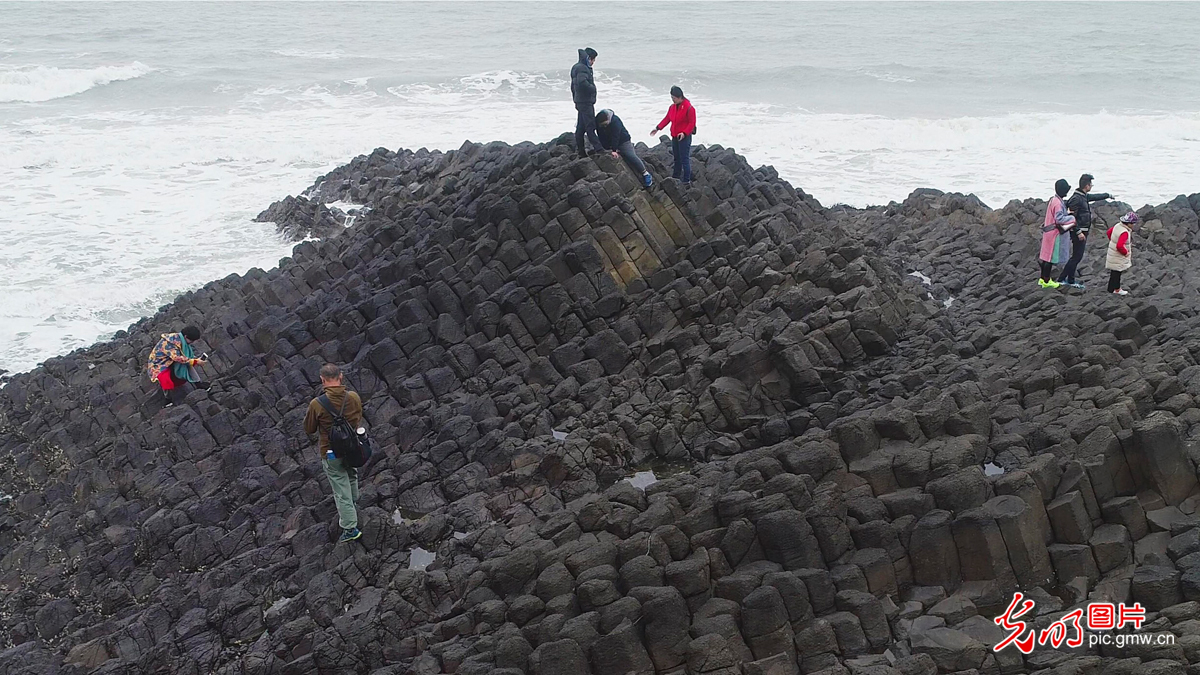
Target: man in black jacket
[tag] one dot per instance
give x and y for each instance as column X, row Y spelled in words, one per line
column 1080, row 205
column 583, row 92
column 615, row 138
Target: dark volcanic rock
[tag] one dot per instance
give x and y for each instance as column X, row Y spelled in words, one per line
column 299, row 218
column 840, row 447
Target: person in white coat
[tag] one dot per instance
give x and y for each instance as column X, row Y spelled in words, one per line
column 1120, row 251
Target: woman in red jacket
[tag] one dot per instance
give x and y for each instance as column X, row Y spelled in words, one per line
column 682, row 117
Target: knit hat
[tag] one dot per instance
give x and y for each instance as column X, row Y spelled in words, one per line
column 676, row 92
column 591, row 53
column 1131, row 218
column 1062, row 187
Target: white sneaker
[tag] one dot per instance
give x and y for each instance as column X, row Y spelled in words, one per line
column 1120, row 291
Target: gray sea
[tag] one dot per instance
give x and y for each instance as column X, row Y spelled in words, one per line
column 138, row 140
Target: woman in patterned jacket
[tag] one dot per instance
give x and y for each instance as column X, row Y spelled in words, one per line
column 171, row 363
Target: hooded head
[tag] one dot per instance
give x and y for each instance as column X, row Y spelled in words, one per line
column 1131, row 218
column 676, row 92
column 1062, row 187
column 587, row 55
column 604, row 117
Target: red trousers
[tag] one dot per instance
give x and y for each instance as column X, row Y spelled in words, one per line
column 166, row 380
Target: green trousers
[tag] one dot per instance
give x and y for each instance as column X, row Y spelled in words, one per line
column 344, row 481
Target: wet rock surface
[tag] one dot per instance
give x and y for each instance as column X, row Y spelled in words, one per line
column 527, row 330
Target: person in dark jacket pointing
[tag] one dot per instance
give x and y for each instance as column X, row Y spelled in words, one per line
column 583, row 93
column 615, row 138
column 1080, row 206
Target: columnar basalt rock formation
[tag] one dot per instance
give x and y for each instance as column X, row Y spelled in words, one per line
column 856, row 468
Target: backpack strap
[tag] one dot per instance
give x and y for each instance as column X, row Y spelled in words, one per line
column 328, row 406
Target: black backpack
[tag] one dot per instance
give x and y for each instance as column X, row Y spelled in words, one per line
column 347, row 445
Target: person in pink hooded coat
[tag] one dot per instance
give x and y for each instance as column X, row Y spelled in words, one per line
column 1058, row 220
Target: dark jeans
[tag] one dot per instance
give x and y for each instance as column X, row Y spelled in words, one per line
column 1077, row 246
column 683, row 158
column 585, row 125
column 1114, row 281
column 631, row 158
column 1047, row 270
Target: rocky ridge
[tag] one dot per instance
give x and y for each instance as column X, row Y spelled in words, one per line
column 856, row 468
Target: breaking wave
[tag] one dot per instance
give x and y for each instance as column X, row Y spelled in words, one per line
column 35, row 84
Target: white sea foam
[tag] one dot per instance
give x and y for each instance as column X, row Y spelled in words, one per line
column 344, row 206
column 886, row 76
column 35, row 84
column 163, row 200
column 115, row 197
column 855, row 159
column 331, row 55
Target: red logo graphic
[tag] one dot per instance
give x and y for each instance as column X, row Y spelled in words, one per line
column 1102, row 616
column 1017, row 627
column 1068, row 629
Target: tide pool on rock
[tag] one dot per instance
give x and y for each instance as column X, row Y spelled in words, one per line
column 419, row 559
column 642, row 479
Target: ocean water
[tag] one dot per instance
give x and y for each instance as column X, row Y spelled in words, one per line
column 139, row 140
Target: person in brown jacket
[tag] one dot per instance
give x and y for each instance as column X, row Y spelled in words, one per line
column 343, row 479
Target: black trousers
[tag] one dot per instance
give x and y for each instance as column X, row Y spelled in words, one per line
column 585, row 125
column 1114, row 281
column 1077, row 246
column 1047, row 270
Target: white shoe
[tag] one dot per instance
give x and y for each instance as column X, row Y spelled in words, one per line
column 1120, row 291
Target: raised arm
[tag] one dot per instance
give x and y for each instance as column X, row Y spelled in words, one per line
column 1098, row 197
column 665, row 121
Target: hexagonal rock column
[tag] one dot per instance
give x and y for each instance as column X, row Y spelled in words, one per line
column 1021, row 530
column 1022, row 485
column 1069, row 518
column 1158, row 449
column 982, row 554
column 933, row 553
